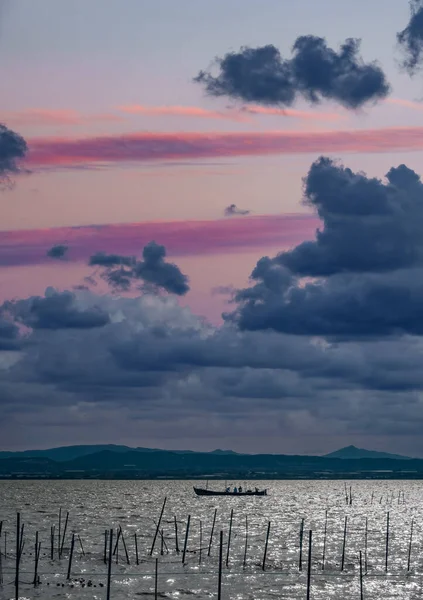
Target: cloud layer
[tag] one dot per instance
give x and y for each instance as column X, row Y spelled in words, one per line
column 315, row 72
column 411, row 38
column 366, row 262
column 13, row 149
column 181, row 238
column 148, row 147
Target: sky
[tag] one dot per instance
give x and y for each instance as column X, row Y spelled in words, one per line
column 211, row 224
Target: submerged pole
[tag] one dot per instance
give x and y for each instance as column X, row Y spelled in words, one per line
column 387, row 542
column 229, row 537
column 219, row 581
column 70, row 557
column 109, row 569
column 344, row 544
column 300, row 561
column 265, row 547
column 176, row 536
column 18, row 555
column 212, row 532
column 246, row 541
column 310, row 533
column 158, row 527
column 186, row 539
column 324, row 540
column 409, row 545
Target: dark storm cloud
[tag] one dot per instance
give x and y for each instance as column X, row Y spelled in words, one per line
column 102, row 259
column 9, row 335
column 368, row 225
column 59, row 251
column 411, row 38
column 56, row 310
column 121, row 272
column 12, row 148
column 366, row 262
column 315, row 72
column 233, row 210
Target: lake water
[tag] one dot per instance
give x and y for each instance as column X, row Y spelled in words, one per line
column 95, row 506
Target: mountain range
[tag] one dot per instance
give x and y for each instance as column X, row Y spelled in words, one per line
column 122, row 462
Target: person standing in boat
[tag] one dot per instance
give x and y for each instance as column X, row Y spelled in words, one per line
column 240, row 489
column 235, row 490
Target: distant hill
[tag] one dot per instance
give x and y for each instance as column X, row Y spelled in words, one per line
column 65, row 453
column 352, row 452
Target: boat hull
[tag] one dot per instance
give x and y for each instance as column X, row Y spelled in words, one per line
column 203, row 492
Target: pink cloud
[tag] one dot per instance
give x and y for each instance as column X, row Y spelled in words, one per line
column 184, row 111
column 143, row 147
column 181, row 238
column 405, row 103
column 235, row 114
column 34, row 117
column 292, row 112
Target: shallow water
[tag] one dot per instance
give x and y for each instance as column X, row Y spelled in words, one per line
column 95, row 506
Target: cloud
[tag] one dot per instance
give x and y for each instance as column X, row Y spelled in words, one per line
column 181, row 238
column 151, row 147
column 156, row 370
column 366, row 263
column 184, row 111
column 41, row 117
column 242, row 114
column 315, row 72
column 232, row 210
column 13, row 148
column 411, row 38
column 55, row 311
column 121, row 271
column 58, row 251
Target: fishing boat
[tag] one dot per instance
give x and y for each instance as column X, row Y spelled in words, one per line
column 204, row 492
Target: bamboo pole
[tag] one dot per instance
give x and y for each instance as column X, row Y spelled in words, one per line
column 158, row 527
column 212, row 532
column 344, row 542
column 186, row 540
column 219, row 581
column 324, row 540
column 263, row 566
column 109, row 569
column 229, row 537
column 70, row 557
column 18, row 556
column 310, row 533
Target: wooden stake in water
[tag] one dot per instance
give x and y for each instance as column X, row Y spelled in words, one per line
column 106, row 533
column 156, row 580
column 109, row 569
column 80, row 543
column 70, row 557
column 387, row 542
column 365, row 544
column 161, row 543
column 52, row 542
column 300, row 561
column 64, row 535
column 324, row 540
column 36, row 559
column 246, row 542
column 229, row 537
column 219, row 581
column 212, row 532
column 176, row 535
column 158, row 527
column 409, row 545
column 350, row 495
column 136, row 549
column 263, row 566
column 125, row 548
column 344, row 544
column 186, row 539
column 201, row 541
column 18, row 556
column 310, row 533
column 361, row 578
column 59, row 537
